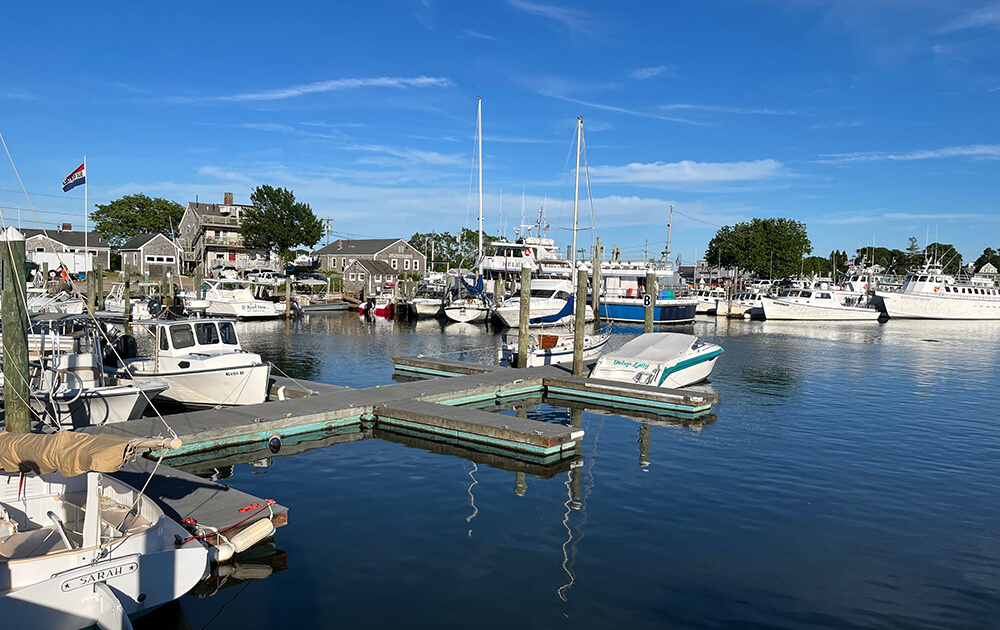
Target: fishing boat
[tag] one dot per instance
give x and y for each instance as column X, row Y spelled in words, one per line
column 79, row 548
column 551, row 347
column 623, row 297
column 929, row 293
column 707, row 299
column 235, row 298
column 314, row 296
column 817, row 303
column 669, row 360
column 428, row 299
column 69, row 388
column 201, row 361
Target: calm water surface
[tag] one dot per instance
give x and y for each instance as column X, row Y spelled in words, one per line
column 850, row 479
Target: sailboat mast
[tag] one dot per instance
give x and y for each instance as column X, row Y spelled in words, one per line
column 479, row 139
column 576, row 190
column 670, row 224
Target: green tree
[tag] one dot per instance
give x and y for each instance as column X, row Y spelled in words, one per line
column 278, row 223
column 766, row 247
column 123, row 219
column 946, row 254
column 454, row 250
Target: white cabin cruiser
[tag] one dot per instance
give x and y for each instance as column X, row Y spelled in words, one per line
column 428, row 299
column 548, row 297
column 707, row 299
column 200, row 359
column 668, row 360
column 234, row 298
column 932, row 294
column 78, row 548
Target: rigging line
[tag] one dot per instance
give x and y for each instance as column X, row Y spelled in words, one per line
column 698, row 220
column 472, row 174
column 590, row 193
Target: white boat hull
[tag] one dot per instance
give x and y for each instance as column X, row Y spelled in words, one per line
column 775, row 309
column 635, row 362
column 209, row 385
column 426, row 308
column 246, row 310
column 907, row 306
column 91, row 407
column 562, row 352
column 467, row 313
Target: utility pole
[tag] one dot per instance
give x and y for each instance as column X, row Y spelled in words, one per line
column 329, row 228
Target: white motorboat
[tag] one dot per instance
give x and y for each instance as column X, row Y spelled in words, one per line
column 139, row 307
column 932, row 294
column 659, row 359
column 199, row 359
column 61, row 302
column 68, row 386
column 816, row 304
column 78, row 548
column 548, row 297
column 428, row 299
column 743, row 305
column 707, row 299
column 469, row 310
column 550, row 347
column 234, row 298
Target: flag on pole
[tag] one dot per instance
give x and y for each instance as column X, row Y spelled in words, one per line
column 848, row 263
column 77, row 177
column 547, row 227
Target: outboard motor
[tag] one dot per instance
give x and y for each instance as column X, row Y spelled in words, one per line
column 125, row 347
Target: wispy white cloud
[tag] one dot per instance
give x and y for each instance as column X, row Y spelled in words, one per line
column 837, row 124
column 520, row 140
column 576, row 21
column 625, row 110
column 319, row 87
column 974, row 151
column 932, row 216
column 641, row 74
column 726, row 109
column 17, row 95
column 670, row 174
column 408, row 154
column 985, row 17
column 468, row 33
column 850, row 219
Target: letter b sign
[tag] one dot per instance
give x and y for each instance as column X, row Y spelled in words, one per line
column 647, row 300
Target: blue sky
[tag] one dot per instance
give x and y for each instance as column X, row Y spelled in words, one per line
column 869, row 120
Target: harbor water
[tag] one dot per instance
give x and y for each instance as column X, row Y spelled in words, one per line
column 849, row 477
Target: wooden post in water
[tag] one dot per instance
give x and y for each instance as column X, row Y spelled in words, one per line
column 649, row 300
column 91, row 291
column 197, row 283
column 288, row 298
column 45, row 275
column 170, row 288
column 523, row 316
column 99, row 288
column 17, row 413
column 581, row 321
column 127, row 296
column 596, row 288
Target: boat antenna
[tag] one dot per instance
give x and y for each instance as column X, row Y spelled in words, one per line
column 479, row 137
column 576, row 191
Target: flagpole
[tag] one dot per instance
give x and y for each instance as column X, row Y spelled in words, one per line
column 86, row 245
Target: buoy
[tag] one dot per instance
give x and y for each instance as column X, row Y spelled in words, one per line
column 252, row 535
column 274, row 443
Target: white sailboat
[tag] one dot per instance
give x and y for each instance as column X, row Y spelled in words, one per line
column 473, row 308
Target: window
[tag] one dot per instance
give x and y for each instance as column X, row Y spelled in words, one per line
column 394, row 263
column 378, row 278
column 416, row 265
column 361, row 277
column 350, row 277
column 406, row 264
column 150, row 258
column 400, row 249
column 39, row 249
column 163, row 341
column 181, row 336
column 207, row 333
column 228, row 333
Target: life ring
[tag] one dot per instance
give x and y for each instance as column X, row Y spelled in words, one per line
column 527, row 252
column 936, row 289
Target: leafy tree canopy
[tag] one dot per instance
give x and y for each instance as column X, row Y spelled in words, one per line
column 946, row 254
column 766, row 247
column 278, row 223
column 453, row 250
column 123, row 219
column 892, row 260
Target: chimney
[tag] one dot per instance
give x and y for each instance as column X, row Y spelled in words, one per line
column 66, row 227
column 228, row 199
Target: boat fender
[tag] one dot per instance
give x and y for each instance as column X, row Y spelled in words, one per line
column 252, row 535
column 274, row 441
column 281, row 393
column 223, row 552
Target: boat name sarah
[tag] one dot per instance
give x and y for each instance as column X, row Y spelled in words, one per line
column 99, row 576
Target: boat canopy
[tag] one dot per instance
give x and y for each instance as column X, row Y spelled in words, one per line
column 654, row 348
column 566, row 311
column 68, row 453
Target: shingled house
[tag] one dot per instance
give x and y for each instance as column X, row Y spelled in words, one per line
column 65, row 240
column 152, row 254
column 209, row 235
column 367, row 277
column 401, row 257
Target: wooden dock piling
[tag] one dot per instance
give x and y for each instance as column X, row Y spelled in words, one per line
column 581, row 321
column 523, row 316
column 14, row 312
column 649, row 301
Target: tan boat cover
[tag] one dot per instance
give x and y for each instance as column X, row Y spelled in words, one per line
column 65, row 452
